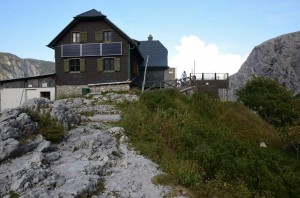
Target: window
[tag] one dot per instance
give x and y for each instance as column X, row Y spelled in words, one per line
column 108, row 63
column 45, row 94
column 75, row 37
column 107, row 36
column 74, row 65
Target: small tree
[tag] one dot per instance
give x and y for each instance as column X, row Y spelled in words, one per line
column 270, row 100
column 292, row 137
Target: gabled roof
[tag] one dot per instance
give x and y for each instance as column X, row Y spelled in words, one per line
column 158, row 54
column 91, row 14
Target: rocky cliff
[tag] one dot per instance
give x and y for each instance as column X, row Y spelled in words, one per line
column 11, row 66
column 277, row 58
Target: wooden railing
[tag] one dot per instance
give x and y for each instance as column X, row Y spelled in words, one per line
column 188, row 82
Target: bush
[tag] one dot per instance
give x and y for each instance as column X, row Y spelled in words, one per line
column 50, row 128
column 270, row 100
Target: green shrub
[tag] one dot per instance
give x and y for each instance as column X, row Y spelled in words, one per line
column 270, row 100
column 50, row 128
column 13, row 194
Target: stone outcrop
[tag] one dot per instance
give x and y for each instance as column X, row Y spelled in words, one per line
column 277, row 58
column 94, row 160
column 11, row 66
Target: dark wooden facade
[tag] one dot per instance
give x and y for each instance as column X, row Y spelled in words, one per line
column 29, row 82
column 92, row 23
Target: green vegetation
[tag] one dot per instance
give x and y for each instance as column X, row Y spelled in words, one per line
column 13, row 194
column 50, row 128
column 276, row 106
column 270, row 100
column 209, row 147
column 87, row 113
column 99, row 189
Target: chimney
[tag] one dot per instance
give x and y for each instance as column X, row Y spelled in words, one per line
column 150, row 38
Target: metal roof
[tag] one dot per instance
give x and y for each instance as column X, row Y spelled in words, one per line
column 27, row 78
column 158, row 54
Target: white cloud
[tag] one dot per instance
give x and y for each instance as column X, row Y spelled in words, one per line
column 207, row 57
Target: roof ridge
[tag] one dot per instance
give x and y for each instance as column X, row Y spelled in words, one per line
column 90, row 13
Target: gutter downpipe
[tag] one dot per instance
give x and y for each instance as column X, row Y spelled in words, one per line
column 129, row 62
column 143, row 85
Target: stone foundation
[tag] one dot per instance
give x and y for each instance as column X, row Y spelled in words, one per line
column 63, row 91
column 107, row 87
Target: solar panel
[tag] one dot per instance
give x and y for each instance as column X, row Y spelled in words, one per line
column 71, row 50
column 91, row 49
column 111, row 49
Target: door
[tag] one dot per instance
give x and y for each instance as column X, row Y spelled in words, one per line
column 31, row 93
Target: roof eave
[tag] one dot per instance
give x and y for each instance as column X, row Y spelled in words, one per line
column 120, row 31
column 52, row 44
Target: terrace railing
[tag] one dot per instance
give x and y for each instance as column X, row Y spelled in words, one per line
column 212, row 76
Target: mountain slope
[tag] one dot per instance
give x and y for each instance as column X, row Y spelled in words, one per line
column 11, row 66
column 277, row 58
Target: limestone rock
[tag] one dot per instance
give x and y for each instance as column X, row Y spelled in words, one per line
column 92, row 154
column 277, row 58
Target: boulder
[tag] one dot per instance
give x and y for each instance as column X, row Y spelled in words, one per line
column 64, row 114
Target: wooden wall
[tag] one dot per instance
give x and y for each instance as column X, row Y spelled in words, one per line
column 91, row 75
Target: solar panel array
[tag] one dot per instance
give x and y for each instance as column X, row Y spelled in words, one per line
column 70, row 50
column 111, row 49
column 91, row 49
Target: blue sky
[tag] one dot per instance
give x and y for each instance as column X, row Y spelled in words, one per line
column 223, row 32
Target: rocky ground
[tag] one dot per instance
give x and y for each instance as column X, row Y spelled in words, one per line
column 94, row 160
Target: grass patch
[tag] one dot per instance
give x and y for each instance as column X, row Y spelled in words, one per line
column 209, row 147
column 99, row 189
column 50, row 128
column 87, row 113
column 116, row 154
column 13, row 194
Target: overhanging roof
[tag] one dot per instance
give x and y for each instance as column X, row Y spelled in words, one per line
column 89, row 15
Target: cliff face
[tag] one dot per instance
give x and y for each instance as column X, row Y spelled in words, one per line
column 277, row 58
column 12, row 66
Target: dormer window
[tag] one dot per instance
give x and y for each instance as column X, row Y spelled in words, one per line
column 75, row 37
column 107, row 36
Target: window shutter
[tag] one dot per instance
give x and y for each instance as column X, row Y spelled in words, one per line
column 83, row 37
column 100, row 64
column 98, row 36
column 82, row 64
column 117, row 64
column 66, row 65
